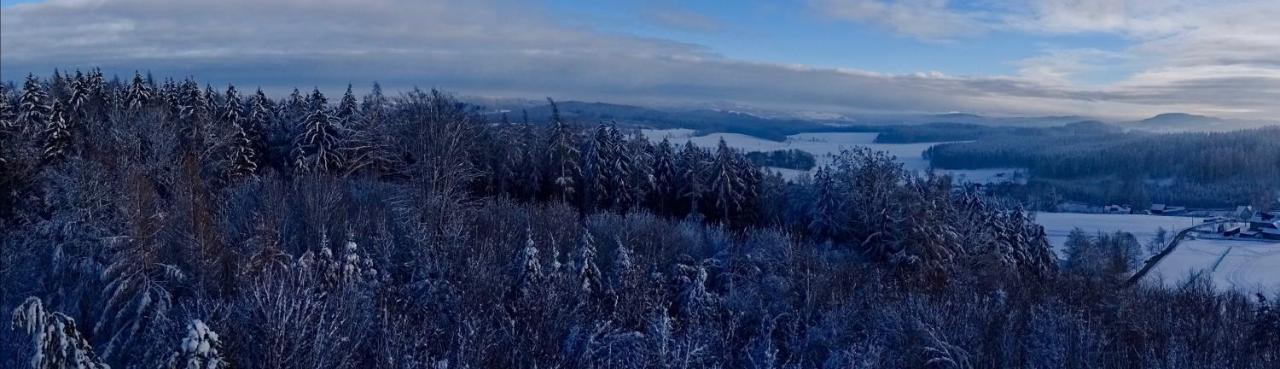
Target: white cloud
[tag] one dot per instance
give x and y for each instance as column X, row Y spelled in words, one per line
column 924, row 19
column 683, row 19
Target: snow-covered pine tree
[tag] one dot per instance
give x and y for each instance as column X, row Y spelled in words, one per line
column 98, row 86
column 8, row 114
column 139, row 93
column 347, row 113
column 618, row 171
column 200, row 349
column 528, row 270
column 211, row 102
column 638, row 164
column 585, row 272
column 597, row 158
column 80, row 92
column 694, row 300
column 294, row 108
column 693, row 167
column 194, row 112
column 58, row 86
column 726, row 185
column 233, row 111
column 257, row 123
column 243, row 157
column 57, row 343
column 750, row 178
column 346, row 269
column 374, row 105
column 666, row 178
column 57, row 135
column 34, row 107
column 7, row 127
column 564, row 154
column 824, row 216
column 624, row 273
column 530, row 161
column 366, row 148
column 316, row 149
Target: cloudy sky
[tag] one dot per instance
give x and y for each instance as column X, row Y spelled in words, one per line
column 1102, row 58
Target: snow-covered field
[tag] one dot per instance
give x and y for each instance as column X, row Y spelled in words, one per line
column 1058, row 225
column 825, row 145
column 1248, row 266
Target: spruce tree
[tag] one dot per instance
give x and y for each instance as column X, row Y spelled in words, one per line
column 666, row 178
column 316, row 149
column 98, row 86
column 693, row 162
column 34, row 107
column 200, row 349
column 726, row 185
column 8, row 115
column 347, row 113
column 597, row 160
column 233, row 111
column 374, row 105
column 211, row 102
column 564, row 155
column 139, row 93
column 528, row 270
column 586, row 273
column 57, row 343
column 258, row 122
column 638, row 168
column 80, row 92
column 243, row 160
column 57, row 135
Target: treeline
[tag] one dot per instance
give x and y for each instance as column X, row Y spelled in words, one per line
column 1192, row 169
column 158, row 224
column 789, row 159
column 702, row 121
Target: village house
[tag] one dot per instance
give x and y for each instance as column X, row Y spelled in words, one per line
column 1162, row 209
column 1265, row 225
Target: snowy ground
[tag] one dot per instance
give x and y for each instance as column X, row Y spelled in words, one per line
column 1058, row 225
column 1248, row 266
column 824, row 146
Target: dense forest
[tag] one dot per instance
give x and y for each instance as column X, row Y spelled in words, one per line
column 159, row 224
column 1105, row 166
column 789, row 159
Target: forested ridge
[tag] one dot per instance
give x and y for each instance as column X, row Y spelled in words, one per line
column 1219, row 169
column 152, row 223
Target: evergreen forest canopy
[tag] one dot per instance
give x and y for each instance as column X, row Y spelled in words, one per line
column 1096, row 164
column 161, row 224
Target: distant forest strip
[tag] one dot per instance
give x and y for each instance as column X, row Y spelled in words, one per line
column 1197, row 169
column 705, row 122
column 789, row 159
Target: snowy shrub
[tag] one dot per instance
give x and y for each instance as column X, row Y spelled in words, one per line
column 57, row 343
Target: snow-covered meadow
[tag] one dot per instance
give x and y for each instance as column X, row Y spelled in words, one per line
column 825, row 145
column 1059, row 225
column 1247, row 266
column 1241, row 265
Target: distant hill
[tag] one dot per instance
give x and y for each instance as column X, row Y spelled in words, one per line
column 1184, row 122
